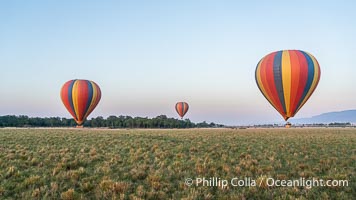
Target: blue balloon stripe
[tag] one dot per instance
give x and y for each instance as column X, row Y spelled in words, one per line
column 90, row 97
column 277, row 74
column 70, row 97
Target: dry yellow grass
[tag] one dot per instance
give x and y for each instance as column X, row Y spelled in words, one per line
column 153, row 164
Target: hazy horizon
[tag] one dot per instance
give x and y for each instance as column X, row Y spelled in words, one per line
column 146, row 56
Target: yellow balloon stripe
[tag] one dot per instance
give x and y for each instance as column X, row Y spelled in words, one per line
column 75, row 99
column 95, row 96
column 287, row 80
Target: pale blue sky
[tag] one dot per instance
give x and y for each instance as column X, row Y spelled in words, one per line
column 147, row 55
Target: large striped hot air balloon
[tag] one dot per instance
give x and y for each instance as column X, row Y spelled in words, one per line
column 182, row 108
column 80, row 97
column 287, row 79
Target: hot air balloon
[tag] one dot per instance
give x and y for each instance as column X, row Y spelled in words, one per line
column 182, row 108
column 80, row 97
column 287, row 79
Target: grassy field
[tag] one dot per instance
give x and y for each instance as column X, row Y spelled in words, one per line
column 154, row 164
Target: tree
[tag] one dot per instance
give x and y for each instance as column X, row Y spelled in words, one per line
column 161, row 121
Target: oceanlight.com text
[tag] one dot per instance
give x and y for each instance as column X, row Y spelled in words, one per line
column 263, row 182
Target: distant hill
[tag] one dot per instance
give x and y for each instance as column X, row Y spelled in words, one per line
column 330, row 117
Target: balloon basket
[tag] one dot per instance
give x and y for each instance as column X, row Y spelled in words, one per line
column 288, row 125
column 81, row 126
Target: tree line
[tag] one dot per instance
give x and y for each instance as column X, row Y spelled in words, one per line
column 161, row 121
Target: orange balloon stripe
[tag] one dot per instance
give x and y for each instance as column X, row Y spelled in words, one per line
column 267, row 78
column 82, row 98
column 65, row 98
column 295, row 70
column 260, row 85
column 303, row 76
column 264, row 81
column 315, row 82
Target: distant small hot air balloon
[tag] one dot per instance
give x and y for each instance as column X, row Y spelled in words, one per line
column 182, row 108
column 80, row 97
column 287, row 79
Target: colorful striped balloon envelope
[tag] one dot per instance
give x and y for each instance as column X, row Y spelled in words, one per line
column 80, row 97
column 182, row 108
column 287, row 79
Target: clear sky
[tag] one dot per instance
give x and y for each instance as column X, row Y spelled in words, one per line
column 147, row 55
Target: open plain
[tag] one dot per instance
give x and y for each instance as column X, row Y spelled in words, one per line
column 171, row 163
